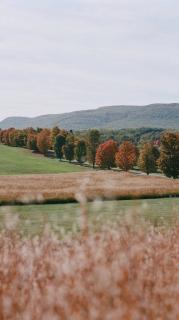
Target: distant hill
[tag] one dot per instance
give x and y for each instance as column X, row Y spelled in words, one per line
column 114, row 117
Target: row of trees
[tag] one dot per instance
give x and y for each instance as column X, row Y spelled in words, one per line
column 149, row 158
column 126, row 155
column 64, row 143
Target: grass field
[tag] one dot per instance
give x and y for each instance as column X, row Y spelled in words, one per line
column 33, row 218
column 21, row 161
column 54, row 267
column 62, row 187
column 127, row 270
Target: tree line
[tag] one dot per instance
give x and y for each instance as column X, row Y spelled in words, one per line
column 150, row 157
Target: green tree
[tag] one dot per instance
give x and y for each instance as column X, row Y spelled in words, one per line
column 68, row 148
column 93, row 143
column 54, row 132
column 80, row 150
column 32, row 142
column 59, row 143
column 68, row 151
column 169, row 155
column 148, row 157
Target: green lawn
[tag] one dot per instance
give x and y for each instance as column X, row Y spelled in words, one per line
column 32, row 218
column 21, row 161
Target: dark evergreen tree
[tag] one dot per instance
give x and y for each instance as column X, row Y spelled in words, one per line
column 58, row 146
column 93, row 143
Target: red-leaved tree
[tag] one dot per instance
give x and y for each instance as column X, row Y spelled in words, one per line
column 105, row 155
column 126, row 156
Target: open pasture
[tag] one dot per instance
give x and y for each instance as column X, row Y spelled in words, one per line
column 90, row 185
column 14, row 161
column 32, row 219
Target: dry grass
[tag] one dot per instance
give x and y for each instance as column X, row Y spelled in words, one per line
column 67, row 187
column 126, row 272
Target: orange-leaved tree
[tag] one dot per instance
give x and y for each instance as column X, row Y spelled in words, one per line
column 105, row 155
column 126, row 156
column 43, row 141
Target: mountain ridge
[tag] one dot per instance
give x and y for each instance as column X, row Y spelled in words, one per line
column 111, row 117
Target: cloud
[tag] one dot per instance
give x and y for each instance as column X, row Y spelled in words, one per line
column 58, row 56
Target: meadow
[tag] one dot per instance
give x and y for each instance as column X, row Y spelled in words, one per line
column 97, row 260
column 66, row 218
column 15, row 161
column 91, row 185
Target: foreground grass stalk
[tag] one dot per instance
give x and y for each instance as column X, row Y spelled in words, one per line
column 81, row 198
column 84, row 218
column 128, row 271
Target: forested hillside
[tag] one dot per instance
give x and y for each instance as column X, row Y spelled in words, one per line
column 113, row 117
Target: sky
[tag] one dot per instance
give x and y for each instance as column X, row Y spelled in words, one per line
column 63, row 55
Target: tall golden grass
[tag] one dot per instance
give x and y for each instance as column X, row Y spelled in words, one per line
column 100, row 184
column 126, row 271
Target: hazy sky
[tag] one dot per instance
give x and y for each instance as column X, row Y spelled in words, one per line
column 65, row 55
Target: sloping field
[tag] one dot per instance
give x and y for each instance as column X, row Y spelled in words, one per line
column 23, row 161
column 88, row 185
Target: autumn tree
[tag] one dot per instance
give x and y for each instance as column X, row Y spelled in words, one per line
column 80, row 150
column 17, row 138
column 126, row 156
column 12, row 137
column 43, row 141
column 30, row 130
column 32, row 141
column 59, row 143
column 6, row 136
column 148, row 157
column 93, row 143
column 169, row 155
column 105, row 155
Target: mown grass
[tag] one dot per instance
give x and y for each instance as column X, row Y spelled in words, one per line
column 15, row 161
column 58, row 188
column 66, row 217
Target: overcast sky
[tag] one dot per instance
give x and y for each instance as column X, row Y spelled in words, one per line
column 64, row 55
